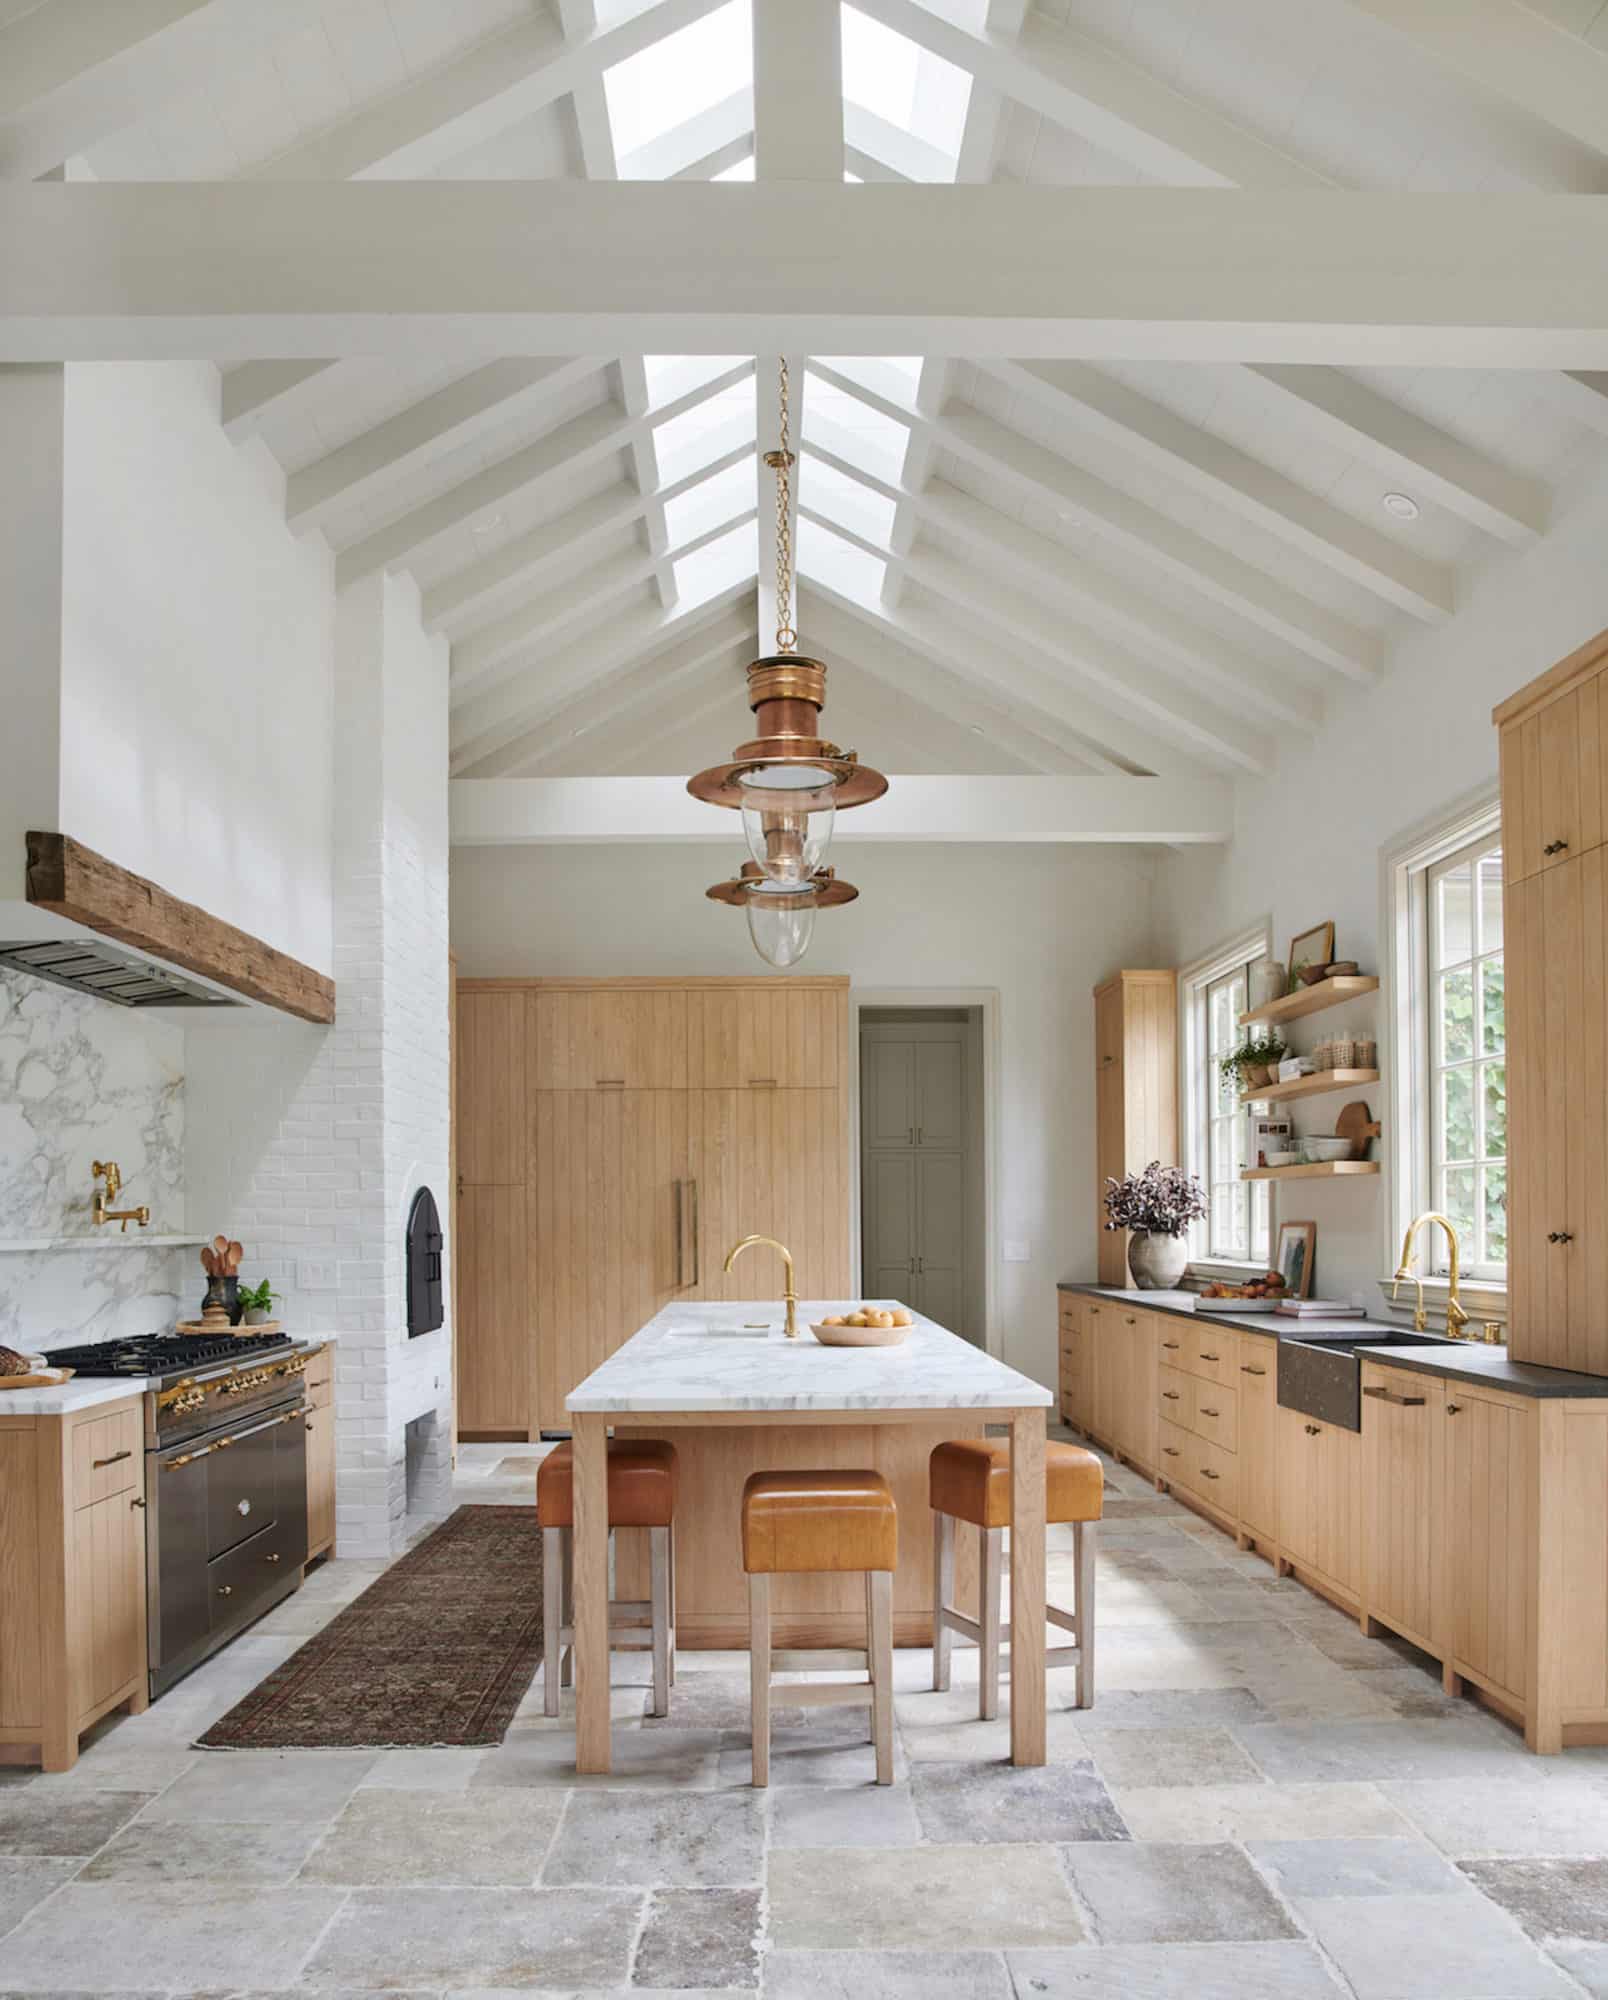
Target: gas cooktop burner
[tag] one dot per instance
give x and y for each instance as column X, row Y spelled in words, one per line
column 162, row 1353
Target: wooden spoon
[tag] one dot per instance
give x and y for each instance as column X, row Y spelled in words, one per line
column 209, row 1263
column 236, row 1252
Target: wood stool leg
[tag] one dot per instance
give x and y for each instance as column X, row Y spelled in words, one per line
column 659, row 1586
column 992, row 1546
column 943, row 1595
column 566, row 1672
column 870, row 1657
column 670, row 1545
column 759, row 1673
column 1084, row 1539
column 881, row 1663
column 552, row 1616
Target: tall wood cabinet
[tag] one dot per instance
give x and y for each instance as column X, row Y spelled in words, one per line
column 1554, row 746
column 615, row 1138
column 1135, row 1089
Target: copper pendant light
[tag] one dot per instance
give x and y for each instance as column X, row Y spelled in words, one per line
column 789, row 783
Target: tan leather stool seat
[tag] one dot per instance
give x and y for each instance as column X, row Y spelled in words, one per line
column 642, row 1485
column 801, row 1521
column 970, row 1478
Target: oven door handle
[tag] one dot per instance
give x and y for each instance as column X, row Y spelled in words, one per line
column 295, row 1416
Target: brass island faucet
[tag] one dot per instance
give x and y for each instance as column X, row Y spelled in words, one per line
column 108, row 1171
column 1456, row 1318
column 789, row 1296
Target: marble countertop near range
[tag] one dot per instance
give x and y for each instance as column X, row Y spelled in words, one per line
column 86, row 1392
column 702, row 1357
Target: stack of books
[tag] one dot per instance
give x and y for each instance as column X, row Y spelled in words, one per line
column 1320, row 1309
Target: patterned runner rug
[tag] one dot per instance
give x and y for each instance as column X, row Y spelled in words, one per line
column 438, row 1650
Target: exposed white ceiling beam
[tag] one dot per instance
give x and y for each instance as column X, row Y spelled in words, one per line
column 1583, row 394
column 900, row 154
column 257, row 389
column 1189, row 557
column 493, row 736
column 639, row 691
column 1436, row 465
column 500, row 392
column 1077, row 83
column 1510, row 50
column 543, row 620
column 724, row 133
column 1232, row 478
column 73, row 70
column 124, row 271
column 548, row 459
column 482, row 589
column 1102, row 810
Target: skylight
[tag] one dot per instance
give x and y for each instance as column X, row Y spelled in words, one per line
column 854, row 430
column 728, row 559
column 897, row 81
column 721, row 497
column 840, row 565
column 706, row 430
column 742, row 171
column 675, row 79
column 674, row 375
column 825, row 490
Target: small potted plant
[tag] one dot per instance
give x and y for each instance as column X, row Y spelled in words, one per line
column 257, row 1303
column 1157, row 1206
column 1255, row 1061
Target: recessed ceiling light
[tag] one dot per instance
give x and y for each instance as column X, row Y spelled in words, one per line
column 487, row 526
column 1402, row 505
column 976, row 728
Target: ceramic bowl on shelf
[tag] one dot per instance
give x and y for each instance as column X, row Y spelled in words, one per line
column 1320, row 1150
column 1283, row 1159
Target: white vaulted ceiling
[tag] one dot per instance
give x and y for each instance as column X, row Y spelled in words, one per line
column 1012, row 565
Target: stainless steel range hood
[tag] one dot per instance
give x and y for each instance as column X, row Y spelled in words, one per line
column 88, row 966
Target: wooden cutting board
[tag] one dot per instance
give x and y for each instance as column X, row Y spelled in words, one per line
column 50, row 1378
column 1357, row 1124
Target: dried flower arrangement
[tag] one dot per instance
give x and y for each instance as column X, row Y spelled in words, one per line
column 1162, row 1201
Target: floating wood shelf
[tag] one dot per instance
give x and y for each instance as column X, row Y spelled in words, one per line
column 112, row 1239
column 1312, row 999
column 1318, row 1170
column 1310, row 1086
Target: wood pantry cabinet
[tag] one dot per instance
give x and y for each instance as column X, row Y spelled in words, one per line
column 652, row 1124
column 319, row 1385
column 72, row 1576
column 1135, row 1091
column 1118, row 1391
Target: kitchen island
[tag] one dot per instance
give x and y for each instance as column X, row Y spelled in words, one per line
column 734, row 1394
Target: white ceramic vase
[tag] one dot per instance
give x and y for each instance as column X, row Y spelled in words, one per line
column 1157, row 1261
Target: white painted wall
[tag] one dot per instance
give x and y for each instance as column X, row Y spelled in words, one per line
column 196, row 657
column 1041, row 925
column 1308, row 842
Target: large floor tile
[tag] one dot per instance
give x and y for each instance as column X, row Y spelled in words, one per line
column 683, row 1758
column 843, row 1756
column 441, row 1769
column 216, row 1851
column 844, row 1816
column 554, row 1938
column 1432, row 1948
column 1302, row 1868
column 1551, row 1899
column 1319, row 1752
column 1531, row 1812
column 1257, row 1812
column 1156, row 1892
column 921, row 1898
column 963, row 1804
column 700, row 1840
column 707, row 1938
column 1171, row 1708
column 37, row 1820
column 114, row 1765
column 386, row 1837
column 104, row 1936
column 1281, row 1971
column 886, row 1975
column 271, row 1784
column 1168, row 1756
column 26, row 1880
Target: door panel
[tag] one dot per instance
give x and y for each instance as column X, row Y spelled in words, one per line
column 941, row 1092
column 107, row 1644
column 1258, row 1441
column 890, row 1226
column 619, row 1038
column 494, row 1346
column 1403, row 1420
column 772, row 1163
column 1490, row 1526
column 782, row 1037
column 888, row 1093
column 491, row 1088
column 941, row 1237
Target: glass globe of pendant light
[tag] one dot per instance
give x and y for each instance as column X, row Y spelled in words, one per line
column 781, row 918
column 789, row 782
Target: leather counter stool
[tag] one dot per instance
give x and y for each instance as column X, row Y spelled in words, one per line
column 795, row 1522
column 642, row 1494
column 969, row 1479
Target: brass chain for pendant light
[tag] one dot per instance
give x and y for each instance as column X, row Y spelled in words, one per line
column 782, row 462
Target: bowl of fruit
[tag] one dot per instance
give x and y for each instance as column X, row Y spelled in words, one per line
column 1260, row 1295
column 865, row 1326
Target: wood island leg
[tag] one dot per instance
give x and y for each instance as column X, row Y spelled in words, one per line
column 591, row 1559
column 1027, row 1588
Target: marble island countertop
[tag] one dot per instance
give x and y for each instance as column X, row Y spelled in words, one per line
column 86, row 1392
column 709, row 1357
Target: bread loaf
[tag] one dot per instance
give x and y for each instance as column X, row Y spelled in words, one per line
column 13, row 1363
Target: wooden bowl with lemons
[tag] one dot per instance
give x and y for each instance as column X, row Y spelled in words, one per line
column 866, row 1326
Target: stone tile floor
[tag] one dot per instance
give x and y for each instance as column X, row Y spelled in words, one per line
column 1262, row 1805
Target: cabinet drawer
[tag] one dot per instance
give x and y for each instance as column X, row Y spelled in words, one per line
column 1209, row 1352
column 1174, row 1352
column 1200, row 1467
column 1217, row 1414
column 108, row 1456
column 1258, row 1359
column 1175, row 1397
column 1174, row 1453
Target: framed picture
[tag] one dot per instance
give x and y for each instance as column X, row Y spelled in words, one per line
column 1313, row 947
column 1294, row 1260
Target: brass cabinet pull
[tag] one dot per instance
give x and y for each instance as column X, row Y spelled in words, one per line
column 1171, row 1344
column 1128, row 1319
column 116, row 1458
column 1452, row 1409
column 1556, row 847
column 1168, row 1450
column 226, row 1590
column 136, row 1503
column 1210, row 1357
column 1247, row 1369
column 1209, row 1413
column 1311, row 1430
column 697, row 1247
column 1559, row 1236
column 762, row 1083
column 1390, row 1396
column 273, row 1558
column 609, row 1082
column 1207, row 1473
column 1170, row 1395
column 681, row 1235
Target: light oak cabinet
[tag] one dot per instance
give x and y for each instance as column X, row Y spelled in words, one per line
column 1136, row 1091
column 1490, row 1489
column 1198, row 1413
column 1257, row 1370
column 1121, row 1362
column 1073, row 1368
column 1404, row 1418
column 1320, row 1478
column 318, row 1382
column 72, row 1576
column 1554, row 750
column 615, row 1138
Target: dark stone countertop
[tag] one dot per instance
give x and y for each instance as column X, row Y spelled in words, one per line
column 1458, row 1361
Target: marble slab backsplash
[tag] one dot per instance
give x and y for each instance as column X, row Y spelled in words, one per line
column 80, row 1081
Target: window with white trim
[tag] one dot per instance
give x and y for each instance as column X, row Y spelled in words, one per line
column 1212, row 996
